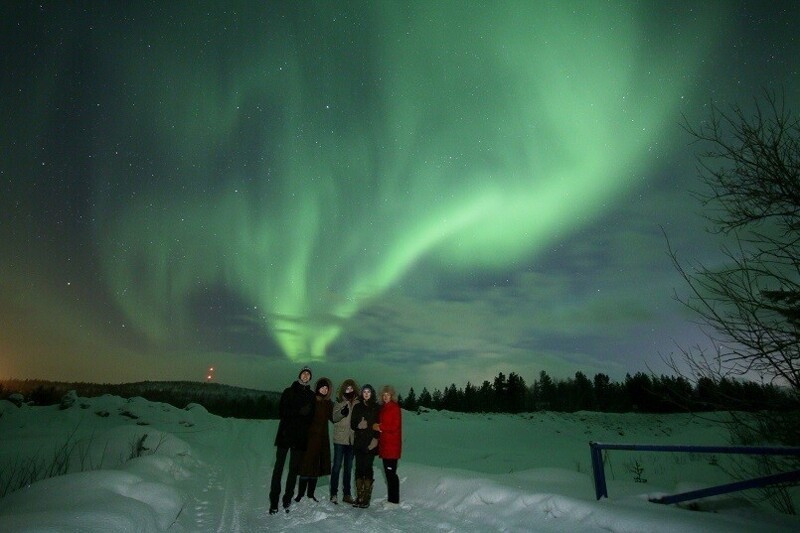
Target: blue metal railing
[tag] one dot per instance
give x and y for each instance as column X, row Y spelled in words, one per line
column 601, row 491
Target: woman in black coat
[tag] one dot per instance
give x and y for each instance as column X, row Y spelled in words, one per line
column 365, row 443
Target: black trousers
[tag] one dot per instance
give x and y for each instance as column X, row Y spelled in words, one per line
column 364, row 463
column 295, row 459
column 392, row 480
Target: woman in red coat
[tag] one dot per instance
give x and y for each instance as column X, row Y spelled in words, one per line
column 390, row 442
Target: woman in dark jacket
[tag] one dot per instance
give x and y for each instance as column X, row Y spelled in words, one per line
column 317, row 458
column 365, row 443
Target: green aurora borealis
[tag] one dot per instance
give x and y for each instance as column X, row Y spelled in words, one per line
column 366, row 149
column 303, row 159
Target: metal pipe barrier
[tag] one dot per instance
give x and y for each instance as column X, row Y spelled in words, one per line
column 601, row 490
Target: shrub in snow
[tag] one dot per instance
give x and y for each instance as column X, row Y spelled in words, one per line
column 17, row 399
column 196, row 407
column 68, row 400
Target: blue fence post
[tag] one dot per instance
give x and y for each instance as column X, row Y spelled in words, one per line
column 598, row 471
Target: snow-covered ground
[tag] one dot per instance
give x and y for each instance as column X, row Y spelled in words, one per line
column 143, row 466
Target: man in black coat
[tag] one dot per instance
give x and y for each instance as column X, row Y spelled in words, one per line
column 296, row 411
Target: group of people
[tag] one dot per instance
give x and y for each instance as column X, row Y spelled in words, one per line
column 364, row 425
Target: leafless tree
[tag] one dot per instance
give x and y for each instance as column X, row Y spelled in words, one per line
column 750, row 309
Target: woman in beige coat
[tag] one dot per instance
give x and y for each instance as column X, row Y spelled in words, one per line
column 346, row 396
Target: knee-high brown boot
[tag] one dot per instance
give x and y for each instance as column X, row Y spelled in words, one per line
column 367, row 493
column 359, row 492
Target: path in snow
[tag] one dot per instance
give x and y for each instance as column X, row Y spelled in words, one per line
column 232, row 493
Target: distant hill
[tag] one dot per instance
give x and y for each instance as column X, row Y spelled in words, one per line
column 217, row 398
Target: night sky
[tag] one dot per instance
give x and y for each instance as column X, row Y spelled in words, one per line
column 419, row 193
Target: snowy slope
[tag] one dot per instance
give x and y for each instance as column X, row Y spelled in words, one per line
column 145, row 466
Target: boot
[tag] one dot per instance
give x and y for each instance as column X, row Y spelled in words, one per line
column 367, row 493
column 312, row 486
column 359, row 492
column 302, row 489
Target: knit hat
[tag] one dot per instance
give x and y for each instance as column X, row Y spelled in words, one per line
column 305, row 369
column 367, row 386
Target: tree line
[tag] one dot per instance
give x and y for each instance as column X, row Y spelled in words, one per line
column 504, row 394
column 636, row 393
column 218, row 399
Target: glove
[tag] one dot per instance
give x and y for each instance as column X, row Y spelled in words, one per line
column 362, row 424
column 305, row 410
column 345, row 410
column 372, row 444
column 376, row 427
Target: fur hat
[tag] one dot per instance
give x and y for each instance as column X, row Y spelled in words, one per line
column 392, row 392
column 324, row 382
column 349, row 382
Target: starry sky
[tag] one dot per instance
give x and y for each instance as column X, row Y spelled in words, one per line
column 420, row 193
